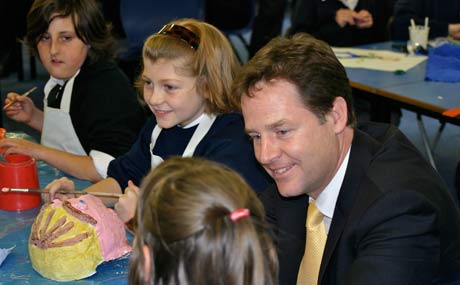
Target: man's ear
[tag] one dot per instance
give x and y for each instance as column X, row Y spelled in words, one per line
column 339, row 114
column 147, row 263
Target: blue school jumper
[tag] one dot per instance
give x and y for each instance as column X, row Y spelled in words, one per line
column 225, row 142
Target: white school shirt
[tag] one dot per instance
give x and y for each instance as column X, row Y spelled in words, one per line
column 204, row 123
column 326, row 201
column 350, row 4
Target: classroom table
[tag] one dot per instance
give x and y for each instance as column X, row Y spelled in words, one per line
column 408, row 90
column 15, row 230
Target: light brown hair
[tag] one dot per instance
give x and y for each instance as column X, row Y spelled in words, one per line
column 183, row 217
column 213, row 63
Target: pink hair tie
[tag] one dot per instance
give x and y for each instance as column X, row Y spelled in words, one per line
column 238, row 214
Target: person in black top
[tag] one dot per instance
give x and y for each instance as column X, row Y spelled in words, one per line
column 91, row 112
column 346, row 23
column 444, row 17
column 343, row 22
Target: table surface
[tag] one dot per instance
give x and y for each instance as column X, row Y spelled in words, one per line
column 408, row 88
column 15, row 230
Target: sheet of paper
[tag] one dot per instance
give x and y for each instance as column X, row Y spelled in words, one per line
column 4, row 253
column 377, row 59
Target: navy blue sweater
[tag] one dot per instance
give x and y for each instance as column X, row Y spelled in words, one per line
column 225, row 143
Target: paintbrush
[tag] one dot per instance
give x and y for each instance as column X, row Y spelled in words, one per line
column 23, row 95
column 42, row 190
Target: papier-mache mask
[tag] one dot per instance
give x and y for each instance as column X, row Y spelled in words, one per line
column 69, row 239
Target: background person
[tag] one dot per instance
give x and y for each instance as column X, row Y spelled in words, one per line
column 343, row 22
column 347, row 23
column 444, row 18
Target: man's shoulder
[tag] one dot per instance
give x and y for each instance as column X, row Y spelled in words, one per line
column 380, row 145
column 380, row 132
column 385, row 156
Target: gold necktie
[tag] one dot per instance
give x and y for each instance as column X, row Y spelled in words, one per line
column 314, row 247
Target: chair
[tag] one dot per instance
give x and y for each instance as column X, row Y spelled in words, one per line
column 141, row 18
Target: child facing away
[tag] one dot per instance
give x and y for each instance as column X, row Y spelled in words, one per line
column 199, row 222
column 91, row 112
column 188, row 69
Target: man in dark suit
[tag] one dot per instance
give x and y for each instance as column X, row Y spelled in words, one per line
column 388, row 216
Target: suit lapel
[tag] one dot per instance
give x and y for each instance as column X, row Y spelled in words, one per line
column 288, row 216
column 360, row 157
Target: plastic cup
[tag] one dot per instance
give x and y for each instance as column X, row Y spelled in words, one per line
column 418, row 36
column 20, row 171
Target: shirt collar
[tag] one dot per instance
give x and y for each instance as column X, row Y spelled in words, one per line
column 60, row 81
column 57, row 81
column 350, row 4
column 194, row 123
column 327, row 199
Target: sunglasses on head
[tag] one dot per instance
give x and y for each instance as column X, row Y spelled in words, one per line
column 181, row 33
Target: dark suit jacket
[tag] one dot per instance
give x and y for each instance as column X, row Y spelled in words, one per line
column 394, row 221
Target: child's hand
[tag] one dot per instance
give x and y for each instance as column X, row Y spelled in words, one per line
column 63, row 183
column 22, row 110
column 126, row 205
column 22, row 146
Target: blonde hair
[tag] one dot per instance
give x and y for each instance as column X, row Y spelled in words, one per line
column 183, row 217
column 213, row 63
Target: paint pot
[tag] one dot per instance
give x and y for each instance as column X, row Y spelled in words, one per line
column 19, row 171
